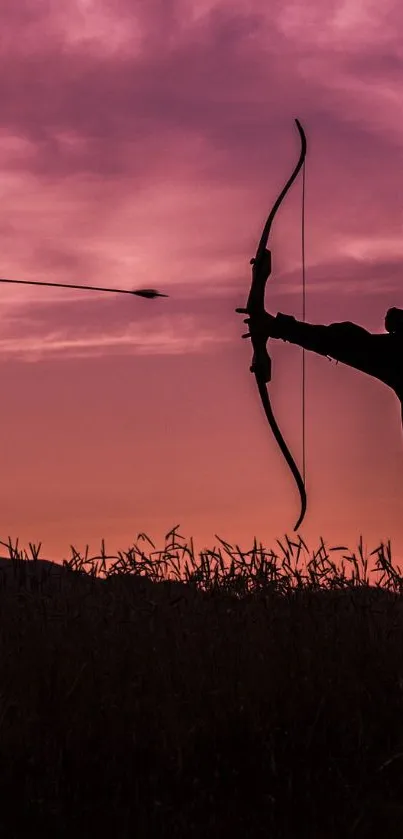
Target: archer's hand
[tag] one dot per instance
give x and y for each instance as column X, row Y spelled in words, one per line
column 264, row 325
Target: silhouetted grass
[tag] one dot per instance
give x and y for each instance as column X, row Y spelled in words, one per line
column 163, row 694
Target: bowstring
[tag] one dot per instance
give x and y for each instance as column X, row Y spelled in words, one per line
column 303, row 321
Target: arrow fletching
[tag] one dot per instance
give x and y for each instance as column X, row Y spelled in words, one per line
column 149, row 292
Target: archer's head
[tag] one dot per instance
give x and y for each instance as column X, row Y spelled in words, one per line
column 394, row 320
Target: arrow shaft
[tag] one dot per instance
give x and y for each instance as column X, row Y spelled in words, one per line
column 67, row 285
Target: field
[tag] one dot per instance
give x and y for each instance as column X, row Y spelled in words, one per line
column 253, row 694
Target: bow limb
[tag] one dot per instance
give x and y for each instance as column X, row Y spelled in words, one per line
column 261, row 362
column 265, row 399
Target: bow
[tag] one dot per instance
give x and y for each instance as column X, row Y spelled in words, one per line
column 141, row 292
column 261, row 361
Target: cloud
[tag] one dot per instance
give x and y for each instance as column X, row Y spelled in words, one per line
column 144, row 145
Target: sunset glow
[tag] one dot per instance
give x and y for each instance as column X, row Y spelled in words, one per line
column 142, row 146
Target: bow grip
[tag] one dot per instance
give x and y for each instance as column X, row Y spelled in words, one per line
column 261, row 270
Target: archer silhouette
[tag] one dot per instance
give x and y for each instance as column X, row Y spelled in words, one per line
column 378, row 355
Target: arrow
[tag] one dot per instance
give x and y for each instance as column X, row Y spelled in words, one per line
column 141, row 292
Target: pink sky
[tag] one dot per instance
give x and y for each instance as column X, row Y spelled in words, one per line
column 142, row 145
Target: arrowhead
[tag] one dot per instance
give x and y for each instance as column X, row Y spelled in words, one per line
column 149, row 292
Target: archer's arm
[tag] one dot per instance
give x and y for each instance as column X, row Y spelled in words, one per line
column 346, row 342
column 377, row 355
